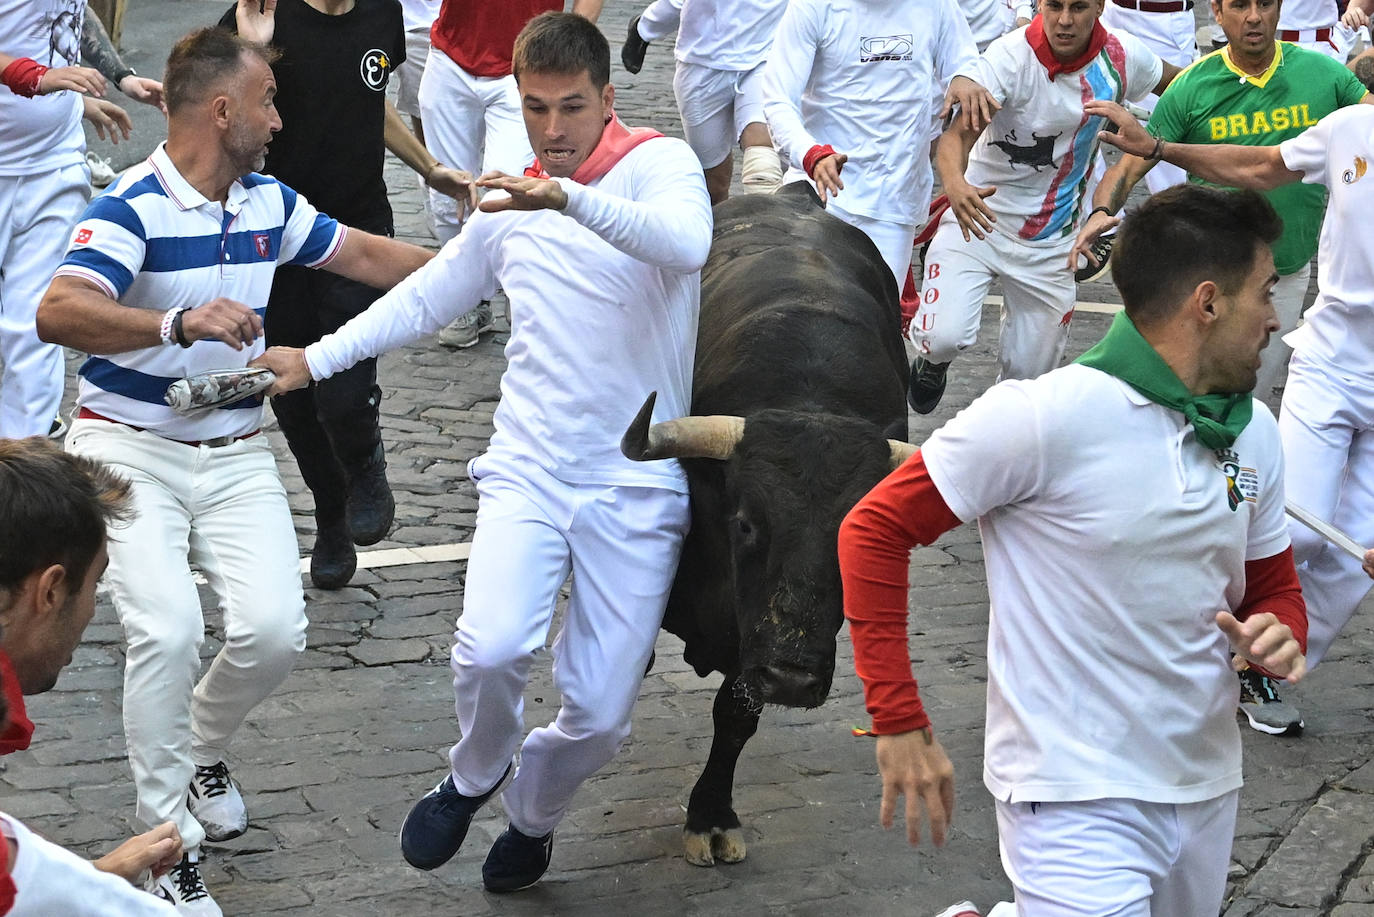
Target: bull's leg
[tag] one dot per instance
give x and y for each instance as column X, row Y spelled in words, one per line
column 713, row 830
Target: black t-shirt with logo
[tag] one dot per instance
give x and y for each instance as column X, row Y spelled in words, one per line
column 331, row 89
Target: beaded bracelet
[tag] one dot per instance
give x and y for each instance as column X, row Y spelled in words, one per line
column 165, row 331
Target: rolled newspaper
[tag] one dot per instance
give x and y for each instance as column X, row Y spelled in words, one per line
column 217, row 388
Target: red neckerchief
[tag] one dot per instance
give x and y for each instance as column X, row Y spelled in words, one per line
column 1035, row 36
column 18, row 727
column 616, row 140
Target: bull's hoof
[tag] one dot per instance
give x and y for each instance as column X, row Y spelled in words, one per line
column 724, row 844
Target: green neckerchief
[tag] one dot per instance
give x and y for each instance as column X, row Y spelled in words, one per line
column 1217, row 419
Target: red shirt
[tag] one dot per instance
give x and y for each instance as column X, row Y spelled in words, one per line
column 479, row 35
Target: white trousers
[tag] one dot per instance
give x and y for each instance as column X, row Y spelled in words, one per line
column 894, row 240
column 473, row 123
column 411, row 71
column 716, row 106
column 1039, row 290
column 1289, row 295
column 225, row 510
column 1116, row 857
column 621, row 546
column 37, row 213
column 1326, row 425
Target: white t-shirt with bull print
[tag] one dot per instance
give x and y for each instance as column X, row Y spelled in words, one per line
column 1039, row 149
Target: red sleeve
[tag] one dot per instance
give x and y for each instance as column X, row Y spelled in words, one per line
column 876, row 539
column 1271, row 584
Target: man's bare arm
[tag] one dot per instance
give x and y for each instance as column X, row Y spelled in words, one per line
column 377, row 260
column 78, row 314
column 588, row 8
column 1258, row 167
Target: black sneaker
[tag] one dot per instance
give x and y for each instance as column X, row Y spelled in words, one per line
column 1102, row 251
column 927, row 385
column 437, row 824
column 1262, row 706
column 632, row 52
column 516, row 861
column 333, row 560
column 371, row 507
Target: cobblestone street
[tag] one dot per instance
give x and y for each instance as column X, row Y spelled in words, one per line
column 331, row 763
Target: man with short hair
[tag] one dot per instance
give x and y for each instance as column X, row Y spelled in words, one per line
column 54, row 509
column 599, row 247
column 167, row 276
column 1015, row 191
column 1104, row 592
column 471, row 110
column 1255, row 91
column 1326, row 420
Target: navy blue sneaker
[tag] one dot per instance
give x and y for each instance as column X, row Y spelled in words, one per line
column 437, row 824
column 516, row 861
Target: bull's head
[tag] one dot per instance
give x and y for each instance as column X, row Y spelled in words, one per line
column 789, row 479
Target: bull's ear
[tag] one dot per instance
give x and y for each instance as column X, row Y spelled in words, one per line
column 634, row 445
column 900, row 452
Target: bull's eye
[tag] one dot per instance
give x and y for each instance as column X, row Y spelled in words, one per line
column 744, row 528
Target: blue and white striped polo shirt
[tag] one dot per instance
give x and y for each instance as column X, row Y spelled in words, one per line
column 153, row 242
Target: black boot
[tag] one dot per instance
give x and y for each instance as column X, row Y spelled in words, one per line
column 371, row 507
column 333, row 561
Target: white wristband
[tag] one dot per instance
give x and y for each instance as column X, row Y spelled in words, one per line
column 166, row 330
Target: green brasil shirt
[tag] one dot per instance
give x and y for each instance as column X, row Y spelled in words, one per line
column 1214, row 101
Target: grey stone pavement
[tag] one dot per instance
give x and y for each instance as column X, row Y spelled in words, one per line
column 331, row 762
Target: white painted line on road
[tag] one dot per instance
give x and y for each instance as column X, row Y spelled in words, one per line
column 400, row 557
column 1099, row 308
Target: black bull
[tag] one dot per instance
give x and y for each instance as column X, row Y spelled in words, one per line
column 802, row 372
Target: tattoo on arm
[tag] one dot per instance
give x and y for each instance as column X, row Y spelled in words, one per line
column 98, row 51
column 1119, row 193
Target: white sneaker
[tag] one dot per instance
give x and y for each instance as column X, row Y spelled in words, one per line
column 216, row 803
column 466, row 329
column 184, row 889
column 102, row 173
column 962, row 909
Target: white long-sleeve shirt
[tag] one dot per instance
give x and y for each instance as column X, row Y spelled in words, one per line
column 603, row 298
column 861, row 76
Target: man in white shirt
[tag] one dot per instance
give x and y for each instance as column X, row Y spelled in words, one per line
column 1015, row 190
column 849, row 88
column 1326, row 420
column 1150, row 455
column 602, row 265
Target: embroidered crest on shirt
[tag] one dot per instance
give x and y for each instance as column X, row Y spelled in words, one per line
column 374, row 68
column 263, row 243
column 1350, row 176
column 885, row 47
column 1039, row 155
column 1242, row 484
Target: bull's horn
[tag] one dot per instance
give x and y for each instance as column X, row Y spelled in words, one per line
column 686, row 437
column 900, row 452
